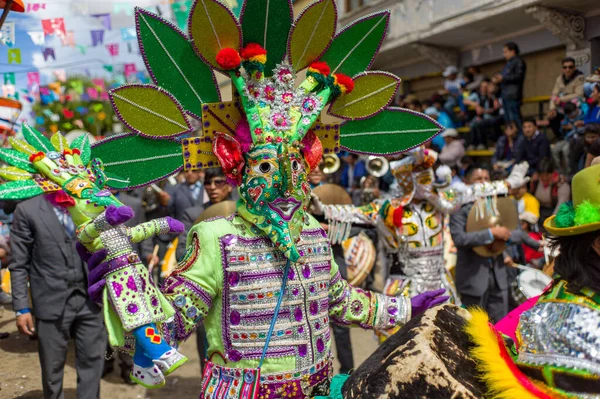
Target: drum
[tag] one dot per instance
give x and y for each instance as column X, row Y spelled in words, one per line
column 528, row 284
column 359, row 253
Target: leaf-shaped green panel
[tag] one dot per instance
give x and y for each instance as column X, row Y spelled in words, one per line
column 149, row 111
column 353, row 49
column 212, row 27
column 312, row 32
column 392, row 131
column 16, row 158
column 173, row 64
column 36, row 139
column 59, row 142
column 138, row 159
column 372, row 92
column 14, row 173
column 267, row 22
column 115, row 181
column 82, row 143
column 18, row 190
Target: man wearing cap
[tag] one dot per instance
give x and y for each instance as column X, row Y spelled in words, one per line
column 526, row 202
column 454, row 149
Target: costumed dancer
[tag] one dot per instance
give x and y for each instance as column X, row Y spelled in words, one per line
column 554, row 342
column 411, row 224
column 263, row 280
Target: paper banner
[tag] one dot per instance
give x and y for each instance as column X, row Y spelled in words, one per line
column 128, row 34
column 125, row 8
column 81, row 49
column 9, row 78
column 33, row 7
column 113, row 49
column 49, row 52
column 97, row 37
column 100, row 83
column 104, row 19
column 54, row 26
column 8, row 90
column 181, row 11
column 130, row 69
column 92, row 92
column 37, row 37
column 7, row 34
column 33, row 78
column 56, row 87
column 109, row 68
column 60, row 75
column 69, row 39
column 14, row 55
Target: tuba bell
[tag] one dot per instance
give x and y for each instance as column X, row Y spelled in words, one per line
column 377, row 166
column 330, row 164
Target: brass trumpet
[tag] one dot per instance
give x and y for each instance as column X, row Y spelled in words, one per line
column 377, row 166
column 330, row 164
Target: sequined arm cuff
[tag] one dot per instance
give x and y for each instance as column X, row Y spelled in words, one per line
column 391, row 311
column 341, row 218
column 149, row 229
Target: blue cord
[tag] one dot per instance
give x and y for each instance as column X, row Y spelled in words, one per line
column 274, row 319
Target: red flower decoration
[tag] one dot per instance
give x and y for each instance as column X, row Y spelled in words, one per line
column 36, row 156
column 321, row 67
column 76, row 151
column 229, row 152
column 313, row 149
column 397, row 217
column 61, row 199
column 251, row 50
column 228, row 59
column 345, row 82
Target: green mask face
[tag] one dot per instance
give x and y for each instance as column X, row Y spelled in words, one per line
column 274, row 194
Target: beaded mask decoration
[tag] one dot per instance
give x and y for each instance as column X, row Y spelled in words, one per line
column 269, row 136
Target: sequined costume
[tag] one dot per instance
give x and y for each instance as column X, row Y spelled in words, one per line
column 411, row 224
column 231, row 277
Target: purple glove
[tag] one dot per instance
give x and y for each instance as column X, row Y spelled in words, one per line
column 97, row 269
column 175, row 225
column 118, row 215
column 426, row 300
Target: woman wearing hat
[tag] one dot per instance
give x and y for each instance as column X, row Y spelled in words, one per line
column 556, row 335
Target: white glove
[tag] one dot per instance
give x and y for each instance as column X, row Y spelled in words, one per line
column 316, row 206
column 517, row 176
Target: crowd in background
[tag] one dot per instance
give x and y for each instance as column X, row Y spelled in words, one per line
column 555, row 147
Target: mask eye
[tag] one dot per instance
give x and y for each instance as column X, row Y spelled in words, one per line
column 263, row 167
column 295, row 165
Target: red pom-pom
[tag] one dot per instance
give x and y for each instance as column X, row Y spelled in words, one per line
column 76, row 151
column 345, row 81
column 320, row 67
column 228, row 59
column 397, row 217
column 251, row 50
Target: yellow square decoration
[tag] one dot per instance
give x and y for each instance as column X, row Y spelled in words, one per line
column 329, row 134
column 220, row 117
column 47, row 185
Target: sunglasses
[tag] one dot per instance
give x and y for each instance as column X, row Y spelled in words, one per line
column 217, row 182
column 568, row 66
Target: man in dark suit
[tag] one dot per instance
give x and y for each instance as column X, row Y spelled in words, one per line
column 43, row 248
column 187, row 194
column 482, row 281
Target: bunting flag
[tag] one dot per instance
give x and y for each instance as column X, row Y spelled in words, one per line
column 81, row 49
column 7, row 34
column 113, row 49
column 109, row 68
column 54, row 26
column 37, row 37
column 128, row 34
column 33, row 78
column 126, row 8
column 97, row 37
column 61, row 75
column 68, row 39
column 130, row 69
column 8, row 90
column 49, row 52
column 9, row 78
column 99, row 83
column 181, row 12
column 14, row 55
column 33, row 7
column 104, row 19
